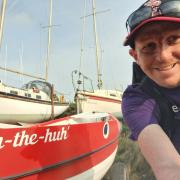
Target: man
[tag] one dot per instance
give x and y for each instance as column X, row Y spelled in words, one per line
column 154, row 39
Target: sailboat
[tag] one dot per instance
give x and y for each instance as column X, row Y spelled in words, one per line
column 95, row 100
column 37, row 100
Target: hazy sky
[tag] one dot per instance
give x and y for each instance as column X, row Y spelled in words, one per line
column 24, row 42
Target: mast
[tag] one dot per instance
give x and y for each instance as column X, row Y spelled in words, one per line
column 82, row 37
column 49, row 40
column 3, row 7
column 97, row 46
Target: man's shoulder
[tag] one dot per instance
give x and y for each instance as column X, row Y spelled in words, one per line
column 133, row 91
column 134, row 98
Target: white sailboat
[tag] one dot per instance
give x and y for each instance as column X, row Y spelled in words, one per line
column 99, row 100
column 37, row 100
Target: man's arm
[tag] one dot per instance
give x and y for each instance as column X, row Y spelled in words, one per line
column 160, row 153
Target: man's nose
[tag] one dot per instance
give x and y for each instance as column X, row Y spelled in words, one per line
column 164, row 54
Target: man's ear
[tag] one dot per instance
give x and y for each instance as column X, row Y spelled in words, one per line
column 133, row 53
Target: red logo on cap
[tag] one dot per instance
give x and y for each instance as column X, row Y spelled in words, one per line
column 154, row 4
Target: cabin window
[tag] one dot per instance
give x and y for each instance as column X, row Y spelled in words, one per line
column 14, row 92
column 28, row 95
column 38, row 97
column 113, row 95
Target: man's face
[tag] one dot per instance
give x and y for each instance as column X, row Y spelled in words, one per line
column 157, row 51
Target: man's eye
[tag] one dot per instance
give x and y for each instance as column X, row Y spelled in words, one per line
column 173, row 40
column 148, row 48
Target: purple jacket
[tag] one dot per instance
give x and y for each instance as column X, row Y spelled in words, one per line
column 140, row 110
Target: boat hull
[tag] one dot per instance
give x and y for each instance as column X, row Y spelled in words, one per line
column 98, row 171
column 14, row 109
column 92, row 102
column 60, row 151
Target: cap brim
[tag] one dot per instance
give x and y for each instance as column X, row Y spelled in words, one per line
column 130, row 37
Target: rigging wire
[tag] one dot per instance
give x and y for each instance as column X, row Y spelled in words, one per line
column 82, row 40
column 49, row 40
column 21, row 53
column 12, row 5
column 3, row 8
column 5, row 64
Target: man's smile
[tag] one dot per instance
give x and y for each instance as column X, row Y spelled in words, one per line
column 165, row 68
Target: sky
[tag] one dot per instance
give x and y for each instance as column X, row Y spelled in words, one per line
column 24, row 43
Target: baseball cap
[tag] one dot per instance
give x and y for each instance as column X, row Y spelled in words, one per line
column 150, row 11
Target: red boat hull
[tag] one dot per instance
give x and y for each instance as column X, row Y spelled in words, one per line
column 55, row 152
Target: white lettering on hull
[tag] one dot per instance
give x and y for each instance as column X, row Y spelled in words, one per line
column 22, row 138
